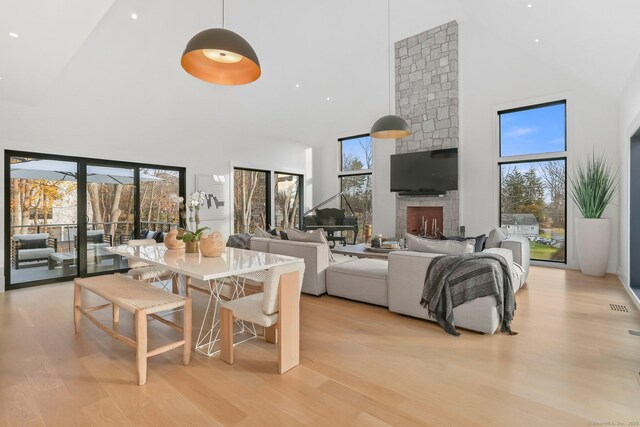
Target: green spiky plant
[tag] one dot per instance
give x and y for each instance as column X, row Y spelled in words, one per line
column 593, row 186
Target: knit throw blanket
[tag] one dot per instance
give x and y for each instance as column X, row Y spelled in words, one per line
column 455, row 279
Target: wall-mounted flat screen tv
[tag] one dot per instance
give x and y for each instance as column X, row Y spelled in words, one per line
column 425, row 172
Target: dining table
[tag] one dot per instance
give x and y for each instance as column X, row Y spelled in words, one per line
column 232, row 270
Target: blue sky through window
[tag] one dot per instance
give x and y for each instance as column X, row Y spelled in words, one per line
column 533, row 131
column 358, row 148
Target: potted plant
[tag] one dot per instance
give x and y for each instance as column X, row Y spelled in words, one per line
column 190, row 231
column 593, row 187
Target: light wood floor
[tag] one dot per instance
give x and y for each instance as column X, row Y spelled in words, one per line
column 572, row 363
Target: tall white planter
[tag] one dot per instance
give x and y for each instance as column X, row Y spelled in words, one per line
column 593, row 239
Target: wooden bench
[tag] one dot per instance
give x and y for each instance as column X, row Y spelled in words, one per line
column 142, row 300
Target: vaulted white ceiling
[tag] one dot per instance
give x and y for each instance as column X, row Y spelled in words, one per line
column 89, row 60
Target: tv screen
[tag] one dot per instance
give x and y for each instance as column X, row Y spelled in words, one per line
column 425, row 172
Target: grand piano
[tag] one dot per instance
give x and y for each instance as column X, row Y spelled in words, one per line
column 332, row 220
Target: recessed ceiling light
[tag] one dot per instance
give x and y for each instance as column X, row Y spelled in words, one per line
column 529, row 6
column 537, row 40
column 297, row 84
column 14, row 35
column 328, row 99
column 134, row 16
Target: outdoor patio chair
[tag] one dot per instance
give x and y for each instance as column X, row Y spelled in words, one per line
column 32, row 248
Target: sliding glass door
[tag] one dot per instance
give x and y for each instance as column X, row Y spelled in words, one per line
column 62, row 212
column 110, row 209
column 42, row 213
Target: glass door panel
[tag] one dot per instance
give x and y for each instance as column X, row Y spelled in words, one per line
column 158, row 213
column 287, row 200
column 110, row 215
column 251, row 196
column 42, row 210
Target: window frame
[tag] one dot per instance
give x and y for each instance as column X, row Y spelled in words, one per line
column 536, row 158
column 360, row 172
column 526, row 108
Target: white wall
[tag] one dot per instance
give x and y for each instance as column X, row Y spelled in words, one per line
column 629, row 122
column 197, row 149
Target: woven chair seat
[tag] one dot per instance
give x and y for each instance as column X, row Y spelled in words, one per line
column 131, row 295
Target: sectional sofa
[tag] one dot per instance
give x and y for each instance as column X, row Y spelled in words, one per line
column 396, row 283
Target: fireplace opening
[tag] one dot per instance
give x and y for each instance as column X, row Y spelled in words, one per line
column 426, row 221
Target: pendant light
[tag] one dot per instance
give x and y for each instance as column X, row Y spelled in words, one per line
column 391, row 126
column 220, row 56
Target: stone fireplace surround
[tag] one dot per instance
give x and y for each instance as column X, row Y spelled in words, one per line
column 426, row 74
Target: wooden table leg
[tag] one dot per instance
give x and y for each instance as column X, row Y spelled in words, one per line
column 187, row 330
column 288, row 322
column 141, row 345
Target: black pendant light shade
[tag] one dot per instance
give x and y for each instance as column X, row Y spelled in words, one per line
column 221, row 56
column 390, row 127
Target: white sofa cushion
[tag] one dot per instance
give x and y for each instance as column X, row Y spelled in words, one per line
column 361, row 280
column 265, row 234
column 452, row 247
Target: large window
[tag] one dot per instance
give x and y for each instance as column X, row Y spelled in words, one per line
column 533, row 183
column 287, row 191
column 251, row 200
column 354, row 178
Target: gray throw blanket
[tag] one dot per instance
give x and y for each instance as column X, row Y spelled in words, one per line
column 239, row 241
column 453, row 280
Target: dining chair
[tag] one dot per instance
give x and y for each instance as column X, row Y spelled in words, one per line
column 276, row 309
column 148, row 273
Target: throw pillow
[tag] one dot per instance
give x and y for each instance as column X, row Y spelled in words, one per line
column 265, row 234
column 495, row 238
column 315, row 236
column 480, row 240
column 32, row 243
column 283, row 235
column 449, row 247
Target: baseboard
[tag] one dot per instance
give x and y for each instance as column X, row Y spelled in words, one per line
column 632, row 294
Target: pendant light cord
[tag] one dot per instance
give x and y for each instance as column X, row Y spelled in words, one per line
column 222, row 13
column 388, row 51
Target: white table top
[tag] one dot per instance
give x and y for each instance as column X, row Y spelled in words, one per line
column 232, row 262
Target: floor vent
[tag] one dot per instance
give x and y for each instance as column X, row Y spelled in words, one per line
column 619, row 307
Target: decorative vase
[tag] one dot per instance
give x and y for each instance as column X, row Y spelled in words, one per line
column 171, row 240
column 376, row 242
column 593, row 242
column 212, row 245
column 192, row 247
